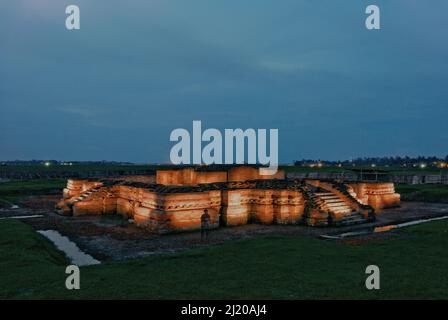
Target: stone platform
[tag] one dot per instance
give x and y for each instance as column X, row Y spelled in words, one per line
column 174, row 200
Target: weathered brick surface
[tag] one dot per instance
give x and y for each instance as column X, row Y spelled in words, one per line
column 379, row 195
column 177, row 201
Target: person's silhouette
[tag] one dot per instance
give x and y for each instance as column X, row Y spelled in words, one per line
column 205, row 225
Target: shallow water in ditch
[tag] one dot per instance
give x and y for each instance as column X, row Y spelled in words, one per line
column 23, row 217
column 71, row 250
column 370, row 230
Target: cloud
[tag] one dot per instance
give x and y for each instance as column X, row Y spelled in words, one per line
column 134, row 72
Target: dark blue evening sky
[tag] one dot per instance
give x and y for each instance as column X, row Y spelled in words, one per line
column 136, row 70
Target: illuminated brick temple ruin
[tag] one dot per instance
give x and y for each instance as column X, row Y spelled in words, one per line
column 174, row 200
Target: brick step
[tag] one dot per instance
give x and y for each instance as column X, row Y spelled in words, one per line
column 340, row 207
column 333, row 197
column 334, row 200
column 325, row 193
column 336, row 204
column 86, row 194
column 341, row 212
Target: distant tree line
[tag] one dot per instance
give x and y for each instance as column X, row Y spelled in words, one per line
column 379, row 161
column 56, row 162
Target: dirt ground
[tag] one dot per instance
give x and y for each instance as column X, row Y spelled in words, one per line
column 113, row 238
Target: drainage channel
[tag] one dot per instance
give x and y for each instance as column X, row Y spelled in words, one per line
column 23, row 217
column 380, row 229
column 71, row 250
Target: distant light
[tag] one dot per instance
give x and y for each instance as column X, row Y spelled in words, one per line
column 373, row 165
column 47, row 164
column 442, row 165
column 422, row 165
column 70, row 164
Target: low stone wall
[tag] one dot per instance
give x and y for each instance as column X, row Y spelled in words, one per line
column 395, row 178
column 189, row 176
column 76, row 187
column 421, row 179
column 165, row 213
column 345, row 176
column 192, row 176
column 168, row 208
column 168, row 212
column 136, row 178
column 248, row 173
column 379, row 195
column 262, row 206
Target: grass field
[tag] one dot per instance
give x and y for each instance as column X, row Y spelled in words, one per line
column 14, row 191
column 423, row 192
column 413, row 265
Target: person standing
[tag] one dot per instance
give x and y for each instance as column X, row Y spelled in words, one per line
column 205, row 225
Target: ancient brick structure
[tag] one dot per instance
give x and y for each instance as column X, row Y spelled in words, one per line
column 174, row 200
column 379, row 195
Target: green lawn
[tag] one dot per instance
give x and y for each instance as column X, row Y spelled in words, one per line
column 413, row 265
column 14, row 191
column 423, row 192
